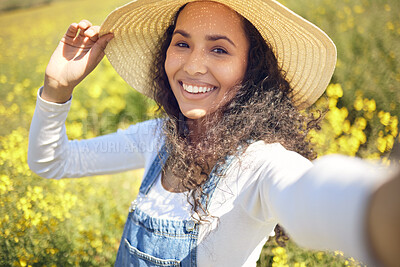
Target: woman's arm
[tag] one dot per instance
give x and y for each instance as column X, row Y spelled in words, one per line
column 326, row 208
column 52, row 155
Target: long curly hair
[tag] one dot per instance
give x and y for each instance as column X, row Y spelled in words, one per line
column 261, row 110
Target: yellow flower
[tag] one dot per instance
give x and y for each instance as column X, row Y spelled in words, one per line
column 74, row 130
column 361, row 123
column 371, row 105
column 339, row 253
column 334, row 90
column 390, row 25
column 358, row 9
column 3, row 79
column 381, row 144
column 358, row 104
column 95, row 91
column 346, row 126
column 332, row 103
column 389, row 142
column 384, row 117
column 347, row 10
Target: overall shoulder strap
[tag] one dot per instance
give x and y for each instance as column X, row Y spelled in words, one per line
column 154, row 171
column 213, row 180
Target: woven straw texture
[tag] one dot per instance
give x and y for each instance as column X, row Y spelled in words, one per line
column 306, row 55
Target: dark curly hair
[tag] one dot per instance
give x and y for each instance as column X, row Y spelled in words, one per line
column 261, row 110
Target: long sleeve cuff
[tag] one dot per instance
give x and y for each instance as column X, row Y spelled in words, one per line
column 51, row 106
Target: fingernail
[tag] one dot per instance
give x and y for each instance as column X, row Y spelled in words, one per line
column 110, row 37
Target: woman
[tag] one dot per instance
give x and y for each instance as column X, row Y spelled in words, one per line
column 231, row 159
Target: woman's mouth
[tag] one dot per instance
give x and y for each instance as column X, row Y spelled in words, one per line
column 196, row 89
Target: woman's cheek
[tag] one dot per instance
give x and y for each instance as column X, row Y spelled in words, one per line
column 173, row 62
column 231, row 74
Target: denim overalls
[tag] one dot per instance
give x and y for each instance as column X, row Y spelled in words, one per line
column 148, row 241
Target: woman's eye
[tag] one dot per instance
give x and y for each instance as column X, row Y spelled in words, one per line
column 185, row 45
column 220, row 51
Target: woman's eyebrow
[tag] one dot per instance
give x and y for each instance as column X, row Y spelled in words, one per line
column 219, row 37
column 182, row 32
column 213, row 37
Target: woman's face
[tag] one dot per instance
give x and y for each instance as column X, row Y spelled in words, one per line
column 207, row 57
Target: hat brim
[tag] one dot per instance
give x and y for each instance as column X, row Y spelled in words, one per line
column 305, row 54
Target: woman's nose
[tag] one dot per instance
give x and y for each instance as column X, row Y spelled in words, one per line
column 195, row 63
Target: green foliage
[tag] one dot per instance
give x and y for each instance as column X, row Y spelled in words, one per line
column 62, row 223
column 69, row 222
column 78, row 222
column 367, row 36
column 7, row 5
column 276, row 256
column 354, row 135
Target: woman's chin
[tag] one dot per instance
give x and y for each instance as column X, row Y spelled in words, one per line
column 195, row 114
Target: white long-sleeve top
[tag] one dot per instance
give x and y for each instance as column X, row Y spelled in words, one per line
column 321, row 206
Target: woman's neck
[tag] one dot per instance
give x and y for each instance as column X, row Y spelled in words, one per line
column 198, row 127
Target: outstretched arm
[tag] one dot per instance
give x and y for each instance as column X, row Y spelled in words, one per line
column 78, row 53
column 342, row 203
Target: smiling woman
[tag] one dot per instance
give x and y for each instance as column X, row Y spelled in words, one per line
column 229, row 159
column 207, row 58
column 239, row 104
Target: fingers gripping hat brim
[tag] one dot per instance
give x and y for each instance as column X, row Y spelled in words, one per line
column 305, row 54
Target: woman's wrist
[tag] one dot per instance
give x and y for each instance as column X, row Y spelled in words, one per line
column 59, row 96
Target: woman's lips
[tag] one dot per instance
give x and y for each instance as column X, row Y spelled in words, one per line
column 197, row 89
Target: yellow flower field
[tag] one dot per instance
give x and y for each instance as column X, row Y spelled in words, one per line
column 78, row 222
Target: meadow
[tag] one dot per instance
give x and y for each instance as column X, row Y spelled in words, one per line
column 78, row 222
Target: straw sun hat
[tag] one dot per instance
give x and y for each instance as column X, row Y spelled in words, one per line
column 304, row 52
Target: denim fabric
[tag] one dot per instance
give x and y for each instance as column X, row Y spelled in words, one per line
column 148, row 241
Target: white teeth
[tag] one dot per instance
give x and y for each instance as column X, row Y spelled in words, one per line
column 196, row 89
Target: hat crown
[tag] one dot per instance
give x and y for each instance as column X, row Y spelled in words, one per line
column 305, row 54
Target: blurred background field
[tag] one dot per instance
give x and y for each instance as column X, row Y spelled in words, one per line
column 8, row 5
column 78, row 222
